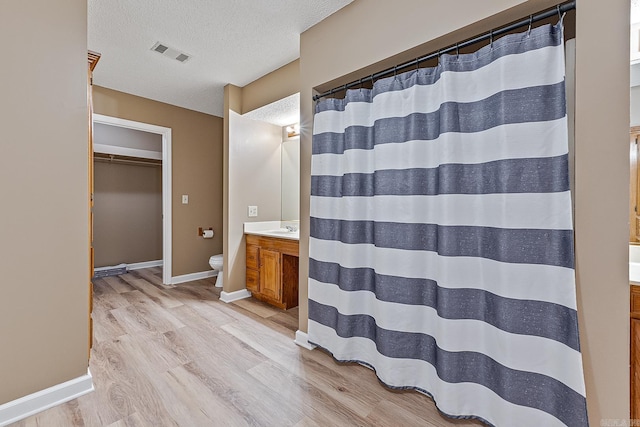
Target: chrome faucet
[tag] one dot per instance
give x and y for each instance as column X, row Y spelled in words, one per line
column 291, row 228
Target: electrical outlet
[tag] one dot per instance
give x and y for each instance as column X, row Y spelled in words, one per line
column 185, row 199
column 253, row 211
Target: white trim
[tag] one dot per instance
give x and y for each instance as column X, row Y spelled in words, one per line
column 193, row 276
column 166, row 182
column 146, row 264
column 126, row 151
column 234, row 296
column 302, row 339
column 39, row 401
column 109, row 267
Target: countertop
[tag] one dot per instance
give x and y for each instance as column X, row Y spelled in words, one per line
column 277, row 229
column 634, row 264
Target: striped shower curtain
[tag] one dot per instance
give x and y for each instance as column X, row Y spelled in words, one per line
column 441, row 240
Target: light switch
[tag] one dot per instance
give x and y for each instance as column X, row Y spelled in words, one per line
column 253, row 211
column 185, row 199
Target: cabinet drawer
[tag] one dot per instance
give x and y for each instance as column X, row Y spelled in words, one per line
column 252, row 280
column 252, row 257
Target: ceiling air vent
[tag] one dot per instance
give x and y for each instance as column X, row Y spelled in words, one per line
column 182, row 57
column 170, row 52
column 160, row 48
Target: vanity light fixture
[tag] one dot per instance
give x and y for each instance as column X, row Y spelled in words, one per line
column 293, row 130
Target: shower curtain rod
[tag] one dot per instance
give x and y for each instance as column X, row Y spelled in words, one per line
column 557, row 10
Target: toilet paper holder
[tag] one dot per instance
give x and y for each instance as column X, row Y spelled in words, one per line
column 202, row 230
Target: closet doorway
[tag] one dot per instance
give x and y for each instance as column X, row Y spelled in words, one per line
column 129, row 154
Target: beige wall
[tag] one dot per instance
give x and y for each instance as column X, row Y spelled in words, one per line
column 355, row 42
column 602, row 203
column 254, row 179
column 44, row 234
column 196, row 167
column 127, row 213
column 272, row 87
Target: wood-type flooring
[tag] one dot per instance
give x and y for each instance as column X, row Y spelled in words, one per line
column 177, row 356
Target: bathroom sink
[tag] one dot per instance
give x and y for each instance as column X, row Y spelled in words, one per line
column 281, row 231
column 273, row 229
column 634, row 264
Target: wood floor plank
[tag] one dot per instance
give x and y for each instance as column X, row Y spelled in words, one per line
column 238, row 390
column 315, row 403
column 388, row 413
column 157, row 295
column 117, row 284
column 257, row 307
column 178, row 356
column 59, row 416
column 213, row 345
column 154, row 352
column 147, row 274
column 106, row 326
column 132, row 420
column 358, row 399
column 307, row 422
column 288, row 319
column 110, row 300
column 144, row 316
column 196, row 313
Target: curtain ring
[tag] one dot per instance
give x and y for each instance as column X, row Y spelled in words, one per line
column 417, row 64
column 530, row 23
column 395, row 72
column 457, row 50
column 360, row 83
column 491, row 38
column 559, row 14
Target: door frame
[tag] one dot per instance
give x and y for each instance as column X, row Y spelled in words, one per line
column 166, row 182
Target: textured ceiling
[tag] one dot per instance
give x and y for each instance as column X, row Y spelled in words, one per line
column 282, row 113
column 231, row 41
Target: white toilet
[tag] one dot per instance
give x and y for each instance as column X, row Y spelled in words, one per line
column 216, row 263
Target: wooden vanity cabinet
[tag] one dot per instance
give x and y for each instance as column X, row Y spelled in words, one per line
column 272, row 270
column 635, row 352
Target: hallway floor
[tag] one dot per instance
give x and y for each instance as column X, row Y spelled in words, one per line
column 177, row 356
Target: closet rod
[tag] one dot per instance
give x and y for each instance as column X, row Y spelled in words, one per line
column 127, row 161
column 557, row 10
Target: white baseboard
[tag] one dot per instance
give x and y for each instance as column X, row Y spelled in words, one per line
column 302, row 339
column 134, row 266
column 146, row 264
column 234, row 296
column 193, row 276
column 36, row 402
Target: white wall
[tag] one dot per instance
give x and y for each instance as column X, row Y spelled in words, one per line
column 254, row 179
column 291, row 179
column 635, row 106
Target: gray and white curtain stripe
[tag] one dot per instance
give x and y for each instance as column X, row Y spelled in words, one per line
column 441, row 247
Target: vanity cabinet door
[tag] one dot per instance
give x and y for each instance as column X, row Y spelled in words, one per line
column 270, row 281
column 253, row 281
